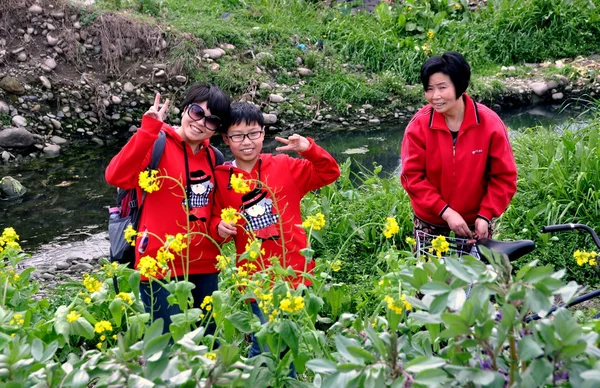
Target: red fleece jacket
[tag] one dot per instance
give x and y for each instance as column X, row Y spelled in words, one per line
column 289, row 179
column 163, row 211
column 476, row 177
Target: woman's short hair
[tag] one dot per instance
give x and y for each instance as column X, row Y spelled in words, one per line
column 452, row 64
column 216, row 100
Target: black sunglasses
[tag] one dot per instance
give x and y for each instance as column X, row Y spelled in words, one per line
column 196, row 113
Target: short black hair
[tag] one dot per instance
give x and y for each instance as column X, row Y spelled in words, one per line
column 452, row 64
column 245, row 112
column 216, row 100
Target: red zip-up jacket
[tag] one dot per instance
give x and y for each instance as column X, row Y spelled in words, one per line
column 163, row 211
column 476, row 177
column 289, row 179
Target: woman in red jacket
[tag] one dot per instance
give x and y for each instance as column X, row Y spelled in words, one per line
column 458, row 166
column 188, row 158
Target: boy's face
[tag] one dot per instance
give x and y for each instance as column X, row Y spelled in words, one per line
column 245, row 141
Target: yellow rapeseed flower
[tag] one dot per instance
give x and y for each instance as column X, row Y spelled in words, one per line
column 440, row 246
column 239, row 185
column 102, row 326
column 91, row 284
column 393, row 305
column 207, row 303
column 410, row 241
column 130, row 235
column 391, row 227
column 148, row 181
column 17, row 319
column 336, row 265
column 584, row 257
column 430, row 35
column 175, row 243
column 9, row 234
column 316, row 222
column 99, row 345
column 273, row 315
column 230, row 215
column 88, row 300
column 222, row 262
column 291, row 304
column 73, row 316
column 406, row 303
column 253, row 247
column 110, row 269
column 148, row 267
column 211, row 356
column 125, row 297
column 163, row 257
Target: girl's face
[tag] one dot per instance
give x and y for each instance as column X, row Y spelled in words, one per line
column 441, row 93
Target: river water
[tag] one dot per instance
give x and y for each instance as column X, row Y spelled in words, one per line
column 67, row 196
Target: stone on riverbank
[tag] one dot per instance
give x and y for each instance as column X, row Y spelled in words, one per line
column 19, row 121
column 16, row 137
column 276, row 98
column 52, row 150
column 539, row 88
column 12, row 85
column 11, row 188
column 269, row 118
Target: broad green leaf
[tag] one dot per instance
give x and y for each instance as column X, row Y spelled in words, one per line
column 154, row 331
column 432, row 377
column 156, row 344
column 314, row 304
column 342, row 343
column 423, row 363
column 228, row 354
column 538, row 273
column 566, row 327
column 529, row 349
column 423, row 317
column 360, row 352
column 241, row 321
column 320, row 365
column 439, row 303
column 567, row 292
column 435, row 288
column 537, row 373
column 116, row 310
column 83, row 328
column 49, row 352
column 37, row 349
column 291, row 335
column 458, row 270
column 134, row 283
column 456, row 299
column 134, row 381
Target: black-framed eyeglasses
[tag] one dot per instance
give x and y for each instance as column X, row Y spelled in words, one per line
column 196, row 113
column 238, row 138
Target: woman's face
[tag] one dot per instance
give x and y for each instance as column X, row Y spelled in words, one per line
column 193, row 131
column 441, row 93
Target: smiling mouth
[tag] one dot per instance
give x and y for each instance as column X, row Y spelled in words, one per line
column 196, row 129
column 247, row 150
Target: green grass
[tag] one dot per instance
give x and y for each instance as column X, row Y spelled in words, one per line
column 376, row 46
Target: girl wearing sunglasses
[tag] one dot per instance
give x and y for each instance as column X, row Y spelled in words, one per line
column 188, row 158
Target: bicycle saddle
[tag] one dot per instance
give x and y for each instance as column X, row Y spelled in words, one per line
column 512, row 249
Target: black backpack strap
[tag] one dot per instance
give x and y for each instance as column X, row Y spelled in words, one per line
column 219, row 158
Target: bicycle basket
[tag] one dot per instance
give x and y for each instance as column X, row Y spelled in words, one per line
column 458, row 247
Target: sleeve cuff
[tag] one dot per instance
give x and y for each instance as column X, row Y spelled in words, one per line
column 151, row 125
column 443, row 210
column 310, row 150
column 485, row 218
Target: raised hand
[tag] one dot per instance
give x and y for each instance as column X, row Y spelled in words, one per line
column 156, row 111
column 293, row 143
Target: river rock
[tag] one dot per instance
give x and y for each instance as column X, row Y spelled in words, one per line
column 52, row 41
column 11, row 188
column 49, row 64
column 557, row 96
column 62, row 265
column 160, row 73
column 55, row 123
column 115, row 99
column 276, row 98
column 375, row 121
column 128, row 87
column 215, row 53
column 4, row 108
column 552, row 84
column 6, row 156
column 539, row 88
column 22, row 57
column 263, row 54
column 16, row 138
column 19, row 121
column 12, row 85
column 58, row 140
column 45, row 82
column 303, row 71
column 269, row 118
column 265, row 86
column 81, row 267
column 181, row 78
column 35, row 9
column 52, row 150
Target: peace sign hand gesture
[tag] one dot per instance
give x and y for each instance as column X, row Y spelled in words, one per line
column 156, row 111
column 293, row 143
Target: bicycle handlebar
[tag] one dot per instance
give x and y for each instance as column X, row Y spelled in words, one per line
column 563, row 227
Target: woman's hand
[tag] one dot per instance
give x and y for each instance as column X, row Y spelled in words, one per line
column 155, row 111
column 482, row 228
column 225, row 229
column 456, row 223
column 293, row 143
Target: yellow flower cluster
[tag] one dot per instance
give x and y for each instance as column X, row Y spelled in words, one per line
column 238, row 184
column 253, row 247
column 410, row 241
column 211, row 356
column 230, row 215
column 222, row 262
column 316, row 222
column 244, row 269
column 125, row 297
column 175, row 243
column 439, row 246
column 110, row 269
column 273, row 315
column 207, row 303
column 430, row 35
column 130, row 235
column 583, row 257
column 397, row 306
column 336, row 265
column 163, row 257
column 91, row 284
column 9, row 239
column 102, row 326
column 391, row 227
column 266, row 300
column 73, row 316
column 148, row 267
column 457, row 6
column 148, row 180
column 17, row 319
column 291, row 304
column 14, row 276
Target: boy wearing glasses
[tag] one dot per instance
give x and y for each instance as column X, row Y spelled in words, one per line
column 287, row 179
column 188, row 158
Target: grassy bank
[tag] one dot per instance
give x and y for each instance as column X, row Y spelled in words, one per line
column 359, row 57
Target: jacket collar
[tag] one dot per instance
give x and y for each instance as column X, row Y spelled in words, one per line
column 471, row 118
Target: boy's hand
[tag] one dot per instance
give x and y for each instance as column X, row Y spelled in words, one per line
column 155, row 111
column 293, row 143
column 225, row 230
column 457, row 223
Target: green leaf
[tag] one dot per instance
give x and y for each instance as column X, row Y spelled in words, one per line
column 537, row 301
column 134, row 283
column 537, row 373
column 423, row 363
column 529, row 349
column 456, row 299
column 342, row 344
column 49, row 352
column 438, row 304
column 61, row 325
column 525, row 269
column 320, row 365
column 134, row 381
column 432, row 377
column 156, row 344
column 411, row 26
column 458, row 270
column 291, row 335
column 420, row 277
column 435, row 288
column 538, row 273
column 37, row 349
column 566, row 327
column 241, row 321
column 116, row 310
column 154, row 331
column 361, row 353
column 83, row 328
column 423, row 317
column 567, row 292
column 228, row 354
column 314, row 304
